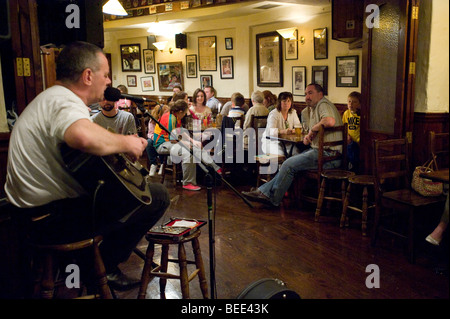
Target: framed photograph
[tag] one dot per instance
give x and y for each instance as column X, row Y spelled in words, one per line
column 130, row 55
column 320, row 43
column 170, row 74
column 206, row 80
column 229, row 43
column 269, row 59
column 207, row 53
column 191, row 66
column 299, row 80
column 131, row 81
column 226, row 67
column 147, row 83
column 291, row 48
column 149, row 61
column 320, row 76
column 347, row 71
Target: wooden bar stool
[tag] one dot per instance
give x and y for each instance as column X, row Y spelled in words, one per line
column 366, row 182
column 161, row 270
column 45, row 286
column 330, row 177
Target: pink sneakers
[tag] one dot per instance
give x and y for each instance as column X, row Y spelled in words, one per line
column 192, row 187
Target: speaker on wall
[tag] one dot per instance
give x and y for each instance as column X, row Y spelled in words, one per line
column 53, row 28
column 180, row 41
column 150, row 40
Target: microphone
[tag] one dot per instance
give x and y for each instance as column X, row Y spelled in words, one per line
column 113, row 94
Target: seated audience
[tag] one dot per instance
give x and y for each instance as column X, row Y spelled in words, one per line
column 165, row 144
column 281, row 120
column 236, row 106
column 198, row 109
column 211, row 101
column 157, row 112
column 352, row 117
column 270, row 100
column 258, row 108
column 176, row 89
column 110, row 117
column 227, row 106
column 123, row 103
column 320, row 111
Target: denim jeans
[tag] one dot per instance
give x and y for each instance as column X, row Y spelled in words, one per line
column 278, row 186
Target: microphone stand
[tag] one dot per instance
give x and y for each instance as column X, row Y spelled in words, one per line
column 209, row 187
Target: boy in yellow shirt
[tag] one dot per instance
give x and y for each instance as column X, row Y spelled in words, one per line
column 352, row 118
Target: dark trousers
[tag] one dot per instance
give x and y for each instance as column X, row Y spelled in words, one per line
column 353, row 156
column 74, row 219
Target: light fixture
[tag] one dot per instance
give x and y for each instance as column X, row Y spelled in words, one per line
column 115, row 8
column 161, row 45
column 288, row 33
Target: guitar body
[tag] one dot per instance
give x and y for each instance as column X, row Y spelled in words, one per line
column 118, row 186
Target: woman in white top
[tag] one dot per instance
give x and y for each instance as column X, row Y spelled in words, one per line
column 281, row 120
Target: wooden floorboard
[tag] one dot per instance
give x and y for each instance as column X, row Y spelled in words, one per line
column 317, row 260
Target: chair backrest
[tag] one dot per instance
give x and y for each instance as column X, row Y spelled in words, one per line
column 391, row 164
column 340, row 143
column 438, row 147
column 257, row 122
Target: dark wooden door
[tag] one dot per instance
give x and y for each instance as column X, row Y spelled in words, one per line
column 388, row 75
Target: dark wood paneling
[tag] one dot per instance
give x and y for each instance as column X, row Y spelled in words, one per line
column 423, row 123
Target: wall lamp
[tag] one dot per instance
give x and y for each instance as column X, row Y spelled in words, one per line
column 290, row 34
column 161, row 45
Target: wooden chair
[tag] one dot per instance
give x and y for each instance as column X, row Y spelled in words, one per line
column 316, row 174
column 395, row 200
column 438, row 147
column 230, row 140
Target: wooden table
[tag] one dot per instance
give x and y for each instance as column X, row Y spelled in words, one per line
column 440, row 175
column 288, row 139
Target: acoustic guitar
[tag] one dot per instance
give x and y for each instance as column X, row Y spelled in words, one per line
column 114, row 181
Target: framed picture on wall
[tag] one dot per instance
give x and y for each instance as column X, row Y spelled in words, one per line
column 206, row 80
column 170, row 74
column 347, row 71
column 131, row 81
column 191, row 66
column 299, row 80
column 320, row 43
column 291, row 48
column 147, row 83
column 130, row 55
column 207, row 53
column 226, row 67
column 320, row 76
column 269, row 59
column 229, row 43
column 149, row 61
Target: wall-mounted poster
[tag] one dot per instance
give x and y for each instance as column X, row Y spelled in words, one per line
column 191, row 66
column 347, row 71
column 149, row 61
column 320, row 76
column 170, row 74
column 206, row 80
column 269, row 60
column 131, row 57
column 298, row 80
column 320, row 44
column 207, row 53
column 147, row 83
column 291, row 48
column 226, row 67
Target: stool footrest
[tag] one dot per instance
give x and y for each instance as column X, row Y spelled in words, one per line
column 164, row 275
column 194, row 273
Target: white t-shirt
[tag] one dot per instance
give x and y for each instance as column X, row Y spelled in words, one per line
column 36, row 174
column 276, row 123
